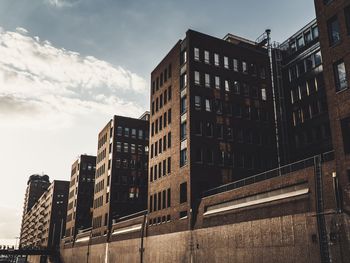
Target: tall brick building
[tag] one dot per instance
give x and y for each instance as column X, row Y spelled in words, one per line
column 212, row 123
column 333, row 18
column 81, row 195
column 121, row 172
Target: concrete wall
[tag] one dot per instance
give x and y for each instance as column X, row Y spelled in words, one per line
column 280, row 239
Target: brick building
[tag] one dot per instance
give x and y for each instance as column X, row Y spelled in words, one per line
column 121, row 172
column 333, row 18
column 304, row 124
column 43, row 225
column 81, row 195
column 212, row 123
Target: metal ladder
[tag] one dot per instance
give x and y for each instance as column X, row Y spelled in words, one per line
column 321, row 222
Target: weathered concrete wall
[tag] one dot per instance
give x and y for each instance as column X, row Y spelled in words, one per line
column 280, row 239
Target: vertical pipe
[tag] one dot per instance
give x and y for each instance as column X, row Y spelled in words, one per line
column 269, row 48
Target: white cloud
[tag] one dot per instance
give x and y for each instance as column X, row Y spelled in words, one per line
column 62, row 3
column 42, row 82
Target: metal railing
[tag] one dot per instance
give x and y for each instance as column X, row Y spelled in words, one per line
column 283, row 170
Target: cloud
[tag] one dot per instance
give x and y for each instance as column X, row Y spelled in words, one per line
column 42, row 82
column 63, row 3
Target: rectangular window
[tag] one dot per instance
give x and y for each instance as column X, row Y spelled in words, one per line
column 168, row 197
column 119, row 131
column 333, row 30
column 244, row 67
column 164, row 167
column 207, row 80
column 196, row 54
column 209, row 156
column 227, row 85
column 209, row 129
column 263, row 94
column 217, row 82
column 155, row 172
column 169, row 139
column 341, row 82
column 235, row 65
column 236, row 87
column 183, row 193
column 216, row 60
column 308, row 36
column 126, row 132
column 198, row 155
column 169, row 93
column 169, row 116
column 206, row 57
column 126, row 147
column 345, row 127
column 315, row 32
column 169, row 165
column 226, row 65
column 133, row 148
column 119, row 146
column 197, row 102
column 183, row 157
column 208, row 105
column 133, row 133
column 183, row 105
column 160, row 146
column 197, row 80
column 198, row 128
column 183, row 81
column 300, row 42
column 219, row 131
column 183, row 131
column 347, row 18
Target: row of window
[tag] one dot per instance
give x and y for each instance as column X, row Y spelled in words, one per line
column 307, row 88
column 228, row 63
column 97, row 222
column 161, row 122
column 162, row 169
column 132, row 133
column 131, row 148
column 98, row 202
column 99, row 186
column 314, row 135
column 102, row 140
column 161, row 145
column 130, row 164
column 101, row 156
column 303, row 39
column 163, row 99
column 159, row 220
column 305, row 65
column 161, row 79
column 160, row 200
column 307, row 112
column 100, row 171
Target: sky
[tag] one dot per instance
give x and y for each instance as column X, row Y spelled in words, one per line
column 67, row 66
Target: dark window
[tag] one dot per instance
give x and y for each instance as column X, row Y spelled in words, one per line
column 318, row 58
column 209, row 129
column 169, row 197
column 183, row 157
column 169, row 116
column 183, row 193
column 151, row 203
column 347, row 18
column 164, row 199
column 183, row 105
column 169, row 165
column 333, row 30
column 169, row 93
column 159, row 200
column 198, row 128
column 327, row 2
column 198, row 155
column 219, row 131
column 169, row 139
column 169, row 71
column 340, row 76
column 183, row 131
column 345, row 126
column 209, row 156
column 161, row 101
column 197, row 102
column 183, row 214
column 165, row 119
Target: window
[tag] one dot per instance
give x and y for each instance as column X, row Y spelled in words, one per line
column 216, row 59
column 183, row 81
column 160, row 146
column 245, row 89
column 262, row 73
column 164, row 167
column 308, row 36
column 333, row 30
column 198, row 128
column 183, row 131
column 155, row 172
column 119, row 146
column 327, row 2
column 183, row 157
column 119, row 131
column 198, row 155
column 218, row 106
column 169, row 116
column 235, row 65
column 226, row 62
column 183, row 105
column 197, row 80
column 236, row 87
column 217, row 82
column 196, row 54
column 207, row 80
column 165, row 96
column 164, row 143
column 161, row 101
column 209, row 129
column 168, row 197
column 300, row 42
column 169, row 93
column 208, row 105
column 219, row 131
column 340, row 76
column 197, row 102
column 206, row 57
column 315, row 32
column 169, row 139
column 263, row 94
column 347, row 18
column 133, row 148
column 133, row 133
column 209, row 156
column 244, row 67
column 318, row 58
column 126, row 147
column 140, row 134
column 169, row 165
column 227, row 85
column 183, row 193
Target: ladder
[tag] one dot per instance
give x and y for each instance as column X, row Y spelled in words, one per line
column 321, row 221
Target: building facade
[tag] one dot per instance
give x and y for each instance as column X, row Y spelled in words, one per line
column 306, row 129
column 212, row 123
column 333, row 18
column 81, row 196
column 121, row 172
column 43, row 226
column 36, row 186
